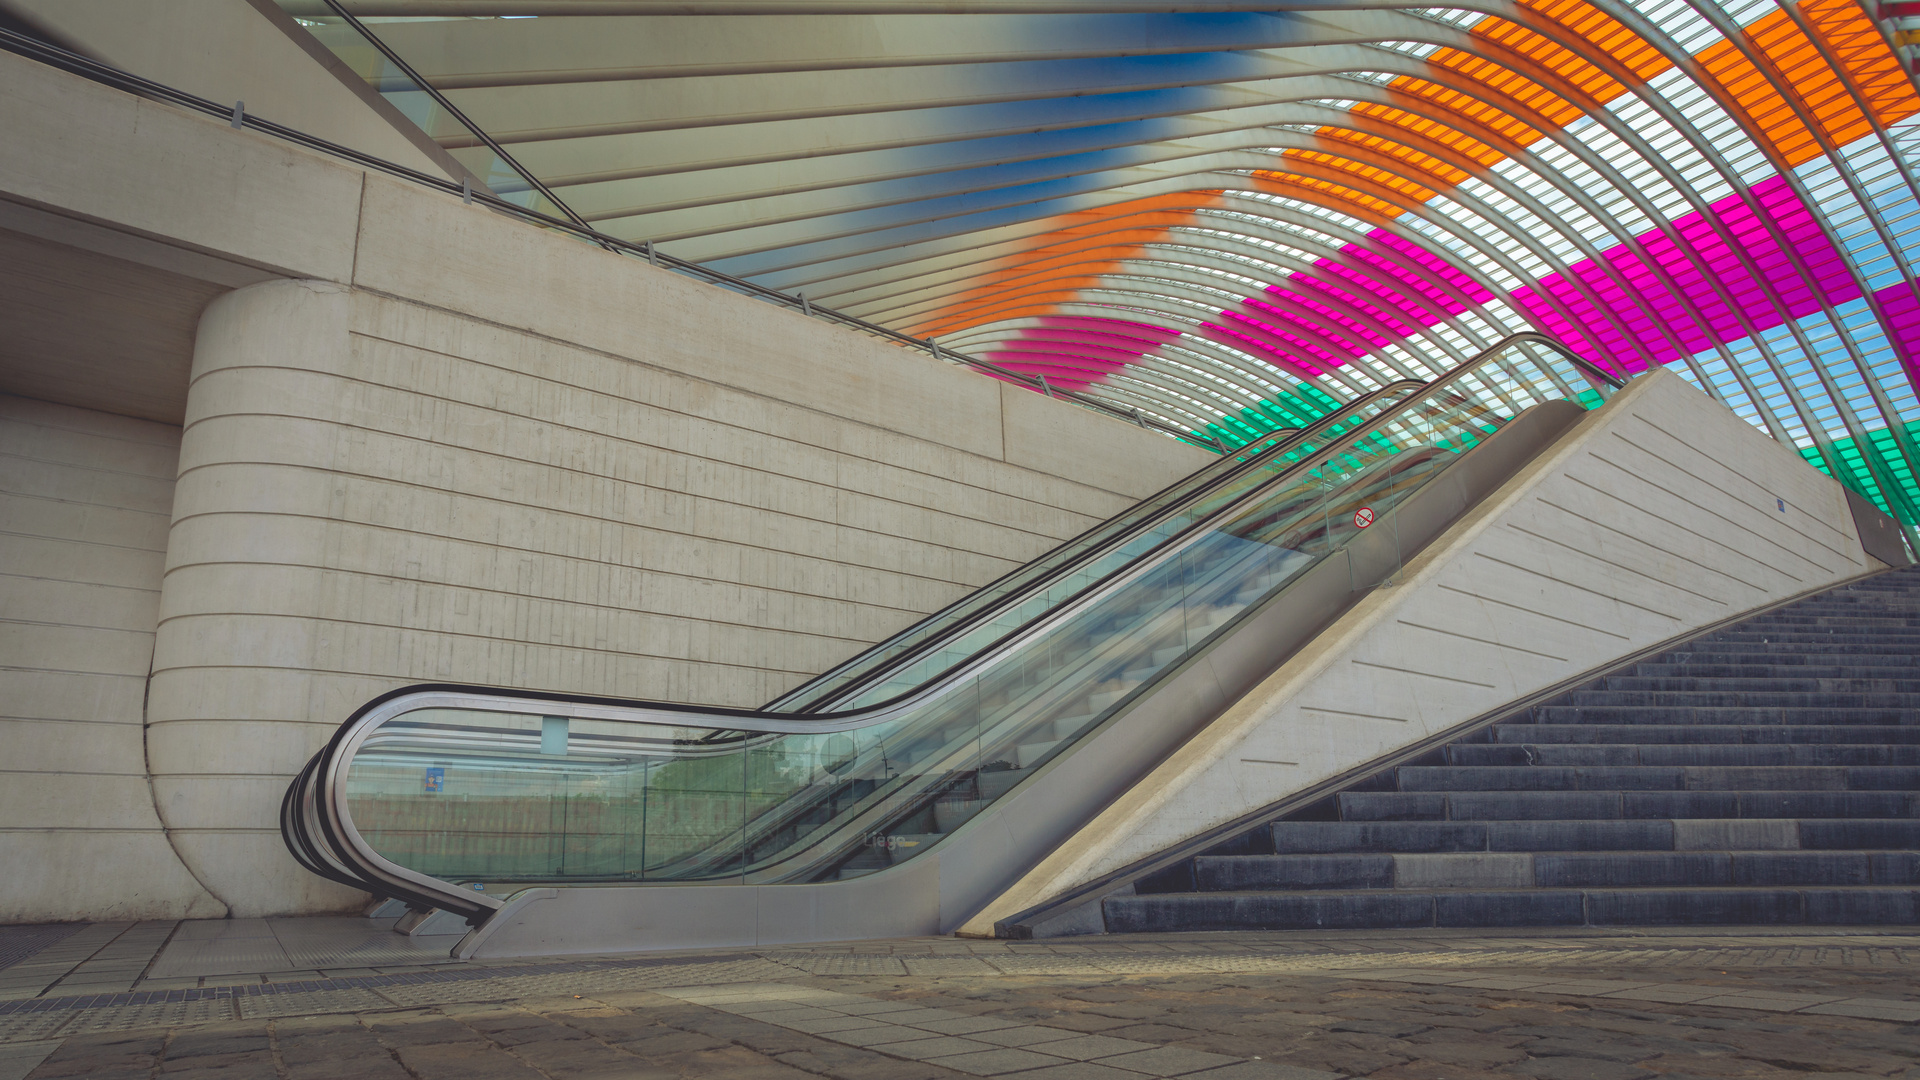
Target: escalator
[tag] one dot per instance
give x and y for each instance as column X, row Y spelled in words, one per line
column 898, row 791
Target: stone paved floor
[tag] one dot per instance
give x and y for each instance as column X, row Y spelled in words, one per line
column 1431, row 1005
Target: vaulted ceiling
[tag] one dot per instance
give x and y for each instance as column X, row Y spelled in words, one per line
column 1233, row 217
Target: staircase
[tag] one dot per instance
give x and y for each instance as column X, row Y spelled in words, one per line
column 1767, row 773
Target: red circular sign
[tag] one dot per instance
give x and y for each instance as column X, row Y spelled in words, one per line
column 1363, row 517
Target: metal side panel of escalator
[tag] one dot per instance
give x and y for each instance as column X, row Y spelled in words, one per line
column 565, row 825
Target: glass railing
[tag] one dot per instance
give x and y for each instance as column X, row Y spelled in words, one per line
column 452, row 785
column 934, row 644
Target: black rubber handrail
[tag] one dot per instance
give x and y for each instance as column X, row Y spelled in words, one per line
column 1451, row 375
column 1260, row 459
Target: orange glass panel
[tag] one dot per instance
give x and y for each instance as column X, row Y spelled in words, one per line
column 1426, row 163
column 1511, row 85
column 1575, row 71
column 1812, row 82
column 1145, row 221
column 1452, row 138
column 1469, row 112
column 1309, row 189
column 1603, row 30
column 1370, row 173
column 1857, row 45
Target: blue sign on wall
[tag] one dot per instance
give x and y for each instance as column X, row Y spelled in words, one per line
column 436, row 776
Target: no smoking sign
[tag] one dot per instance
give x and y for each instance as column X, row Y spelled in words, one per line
column 1363, row 517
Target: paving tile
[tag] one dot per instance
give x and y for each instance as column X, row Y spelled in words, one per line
column 782, row 1015
column 966, row 1025
column 937, row 1047
column 1088, row 1047
column 1871, row 1009
column 20, row 1058
column 1585, row 987
column 1168, row 1061
column 874, row 1008
column 1676, row 994
column 1572, row 1068
column 832, row 1024
column 919, row 1016
column 1502, row 982
column 1005, row 1059
column 878, row 1037
column 1755, row 1001
column 1079, row 1070
column 1024, row 1035
column 1264, row 1070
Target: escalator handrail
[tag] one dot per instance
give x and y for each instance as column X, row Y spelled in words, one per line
column 1154, row 557
column 330, row 791
column 876, row 800
column 1063, row 545
column 880, row 672
column 961, row 627
column 1292, row 436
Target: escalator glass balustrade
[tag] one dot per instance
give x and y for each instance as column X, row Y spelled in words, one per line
column 937, row 642
column 427, row 789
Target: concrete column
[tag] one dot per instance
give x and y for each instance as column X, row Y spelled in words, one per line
column 235, row 706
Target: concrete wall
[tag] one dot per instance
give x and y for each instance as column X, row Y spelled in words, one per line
column 84, row 504
column 237, row 50
column 1661, row 513
column 430, row 443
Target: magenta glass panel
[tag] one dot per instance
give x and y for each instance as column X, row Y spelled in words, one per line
column 1271, row 314
column 1431, row 262
column 1075, row 352
column 1901, row 302
column 1258, row 327
column 1250, row 344
column 1349, row 325
column 1392, row 322
column 1651, row 306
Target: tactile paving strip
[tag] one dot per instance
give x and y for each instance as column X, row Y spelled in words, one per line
column 18, row 943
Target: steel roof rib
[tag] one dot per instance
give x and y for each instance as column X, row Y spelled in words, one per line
column 1242, row 212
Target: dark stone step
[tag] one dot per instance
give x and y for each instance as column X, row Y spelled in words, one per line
column 1547, row 870
column 1675, row 714
column 1813, row 613
column 1392, row 908
column 1542, row 777
column 1722, row 734
column 1771, row 686
column 1834, row 637
column 1768, row 671
column 1798, row 656
column 1689, row 834
column 1727, row 647
column 1605, row 805
column 1844, row 835
column 1803, row 754
column 1606, row 697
